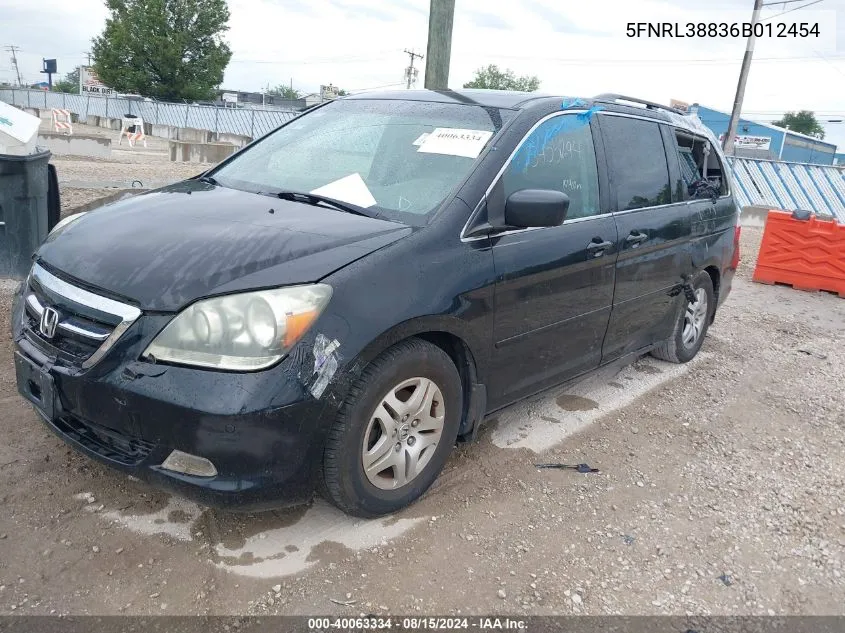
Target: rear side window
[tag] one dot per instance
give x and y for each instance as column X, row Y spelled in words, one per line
column 638, row 166
column 715, row 172
column 701, row 168
column 558, row 155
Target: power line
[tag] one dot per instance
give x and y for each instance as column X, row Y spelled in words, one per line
column 714, row 60
column 377, row 87
column 769, row 4
column 377, row 55
column 803, row 6
column 832, row 65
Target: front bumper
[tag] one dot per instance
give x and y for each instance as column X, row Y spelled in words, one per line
column 263, row 431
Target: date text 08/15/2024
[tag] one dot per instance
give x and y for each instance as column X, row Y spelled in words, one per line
column 722, row 29
column 416, row 623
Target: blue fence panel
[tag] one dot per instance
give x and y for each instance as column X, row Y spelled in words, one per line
column 253, row 122
column 790, row 186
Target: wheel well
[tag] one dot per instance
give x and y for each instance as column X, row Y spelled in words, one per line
column 461, row 355
column 714, row 277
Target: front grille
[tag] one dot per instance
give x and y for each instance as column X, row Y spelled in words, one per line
column 72, row 325
column 76, row 338
column 108, row 443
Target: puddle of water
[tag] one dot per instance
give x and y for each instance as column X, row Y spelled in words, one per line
column 264, row 545
column 175, row 519
column 232, row 530
column 290, row 549
column 529, row 424
column 568, row 402
column 645, row 368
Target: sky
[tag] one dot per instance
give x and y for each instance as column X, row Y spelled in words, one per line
column 577, row 48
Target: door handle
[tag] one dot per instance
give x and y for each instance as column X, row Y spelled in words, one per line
column 636, row 238
column 597, row 247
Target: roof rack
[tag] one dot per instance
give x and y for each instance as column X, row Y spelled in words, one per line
column 650, row 105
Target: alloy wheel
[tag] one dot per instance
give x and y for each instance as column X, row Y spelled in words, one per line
column 695, row 319
column 403, row 433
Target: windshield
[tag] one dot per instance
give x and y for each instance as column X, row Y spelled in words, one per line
column 396, row 159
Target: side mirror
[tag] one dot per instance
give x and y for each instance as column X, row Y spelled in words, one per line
column 536, row 207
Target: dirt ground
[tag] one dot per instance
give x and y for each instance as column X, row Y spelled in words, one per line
column 721, row 491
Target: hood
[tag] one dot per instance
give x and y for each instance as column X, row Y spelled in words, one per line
column 166, row 248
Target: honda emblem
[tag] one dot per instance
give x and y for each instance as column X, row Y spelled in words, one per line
column 49, row 322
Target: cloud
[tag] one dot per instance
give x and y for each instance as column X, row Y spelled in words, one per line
column 575, row 48
column 355, row 10
column 488, row 20
column 555, row 20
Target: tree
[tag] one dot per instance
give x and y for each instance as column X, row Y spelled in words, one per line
column 69, row 84
column 493, row 78
column 169, row 49
column 286, row 92
column 803, row 122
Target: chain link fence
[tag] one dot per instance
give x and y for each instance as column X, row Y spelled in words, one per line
column 247, row 122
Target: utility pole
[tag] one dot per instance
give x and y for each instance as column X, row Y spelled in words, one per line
column 410, row 71
column 730, row 136
column 88, row 55
column 441, row 15
column 13, row 50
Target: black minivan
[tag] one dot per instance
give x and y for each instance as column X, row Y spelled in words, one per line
column 333, row 306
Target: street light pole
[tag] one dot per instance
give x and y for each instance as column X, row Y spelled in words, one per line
column 728, row 144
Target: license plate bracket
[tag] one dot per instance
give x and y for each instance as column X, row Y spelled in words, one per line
column 36, row 385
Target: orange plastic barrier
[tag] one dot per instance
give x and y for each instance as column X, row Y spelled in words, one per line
column 806, row 254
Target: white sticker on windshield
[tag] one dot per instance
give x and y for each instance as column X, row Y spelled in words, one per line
column 350, row 189
column 420, row 139
column 455, row 142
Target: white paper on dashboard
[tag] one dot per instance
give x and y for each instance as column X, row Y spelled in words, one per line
column 351, row 189
column 455, row 142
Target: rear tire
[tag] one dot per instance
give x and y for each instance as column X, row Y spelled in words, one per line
column 692, row 323
column 395, row 430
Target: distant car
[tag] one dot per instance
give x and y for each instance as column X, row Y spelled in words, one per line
column 332, row 306
column 134, row 97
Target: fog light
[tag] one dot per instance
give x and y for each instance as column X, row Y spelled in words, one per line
column 189, row 464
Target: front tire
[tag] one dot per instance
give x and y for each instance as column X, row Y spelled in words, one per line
column 395, row 430
column 692, row 323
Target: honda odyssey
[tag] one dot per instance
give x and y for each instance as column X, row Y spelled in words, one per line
column 333, row 306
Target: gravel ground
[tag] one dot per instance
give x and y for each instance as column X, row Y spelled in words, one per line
column 118, row 173
column 84, row 180
column 721, row 491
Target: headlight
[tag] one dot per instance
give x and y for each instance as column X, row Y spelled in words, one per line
column 241, row 332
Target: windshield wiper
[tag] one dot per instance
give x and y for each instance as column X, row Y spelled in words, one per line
column 211, row 180
column 316, row 199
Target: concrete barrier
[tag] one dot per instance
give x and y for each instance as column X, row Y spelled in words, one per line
column 189, row 152
column 193, row 135
column 75, row 145
column 238, row 140
column 753, row 216
column 163, row 131
column 105, row 122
